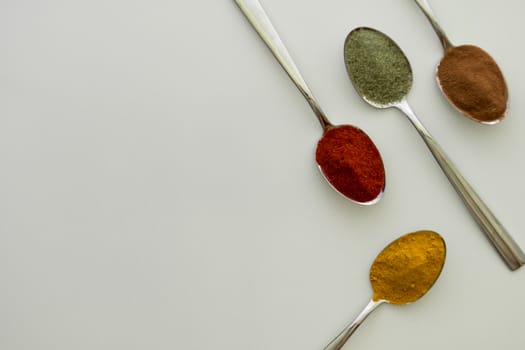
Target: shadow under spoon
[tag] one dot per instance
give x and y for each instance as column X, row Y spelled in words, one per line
column 469, row 77
column 346, row 156
column 381, row 74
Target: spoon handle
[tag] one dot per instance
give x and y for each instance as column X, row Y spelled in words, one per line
column 254, row 12
column 425, row 7
column 339, row 341
column 495, row 231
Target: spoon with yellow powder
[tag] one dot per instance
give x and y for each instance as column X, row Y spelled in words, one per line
column 401, row 274
column 469, row 77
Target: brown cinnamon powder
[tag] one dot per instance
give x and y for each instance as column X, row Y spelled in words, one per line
column 473, row 82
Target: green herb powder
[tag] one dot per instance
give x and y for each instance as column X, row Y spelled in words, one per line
column 377, row 67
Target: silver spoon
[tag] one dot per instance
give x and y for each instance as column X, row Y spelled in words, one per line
column 401, row 274
column 494, row 96
column 369, row 54
column 348, row 181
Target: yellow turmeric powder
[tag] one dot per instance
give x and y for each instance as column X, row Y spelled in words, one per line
column 408, row 267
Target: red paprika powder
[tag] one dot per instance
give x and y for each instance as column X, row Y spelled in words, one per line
column 351, row 163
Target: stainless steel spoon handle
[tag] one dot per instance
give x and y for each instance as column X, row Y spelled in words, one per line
column 254, row 12
column 425, row 7
column 339, row 341
column 497, row 234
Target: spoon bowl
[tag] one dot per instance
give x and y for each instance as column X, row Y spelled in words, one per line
column 469, row 77
column 375, row 64
column 380, row 85
column 402, row 273
column 346, row 156
column 482, row 100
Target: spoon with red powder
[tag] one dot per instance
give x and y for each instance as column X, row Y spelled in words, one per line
column 346, row 156
column 469, row 77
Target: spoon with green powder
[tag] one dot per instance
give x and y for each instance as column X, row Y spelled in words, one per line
column 381, row 74
column 401, row 274
column 346, row 156
column 469, row 77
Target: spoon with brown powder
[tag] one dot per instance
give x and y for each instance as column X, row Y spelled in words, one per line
column 346, row 156
column 401, row 274
column 469, row 77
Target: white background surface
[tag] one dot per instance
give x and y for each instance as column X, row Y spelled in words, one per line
column 158, row 188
